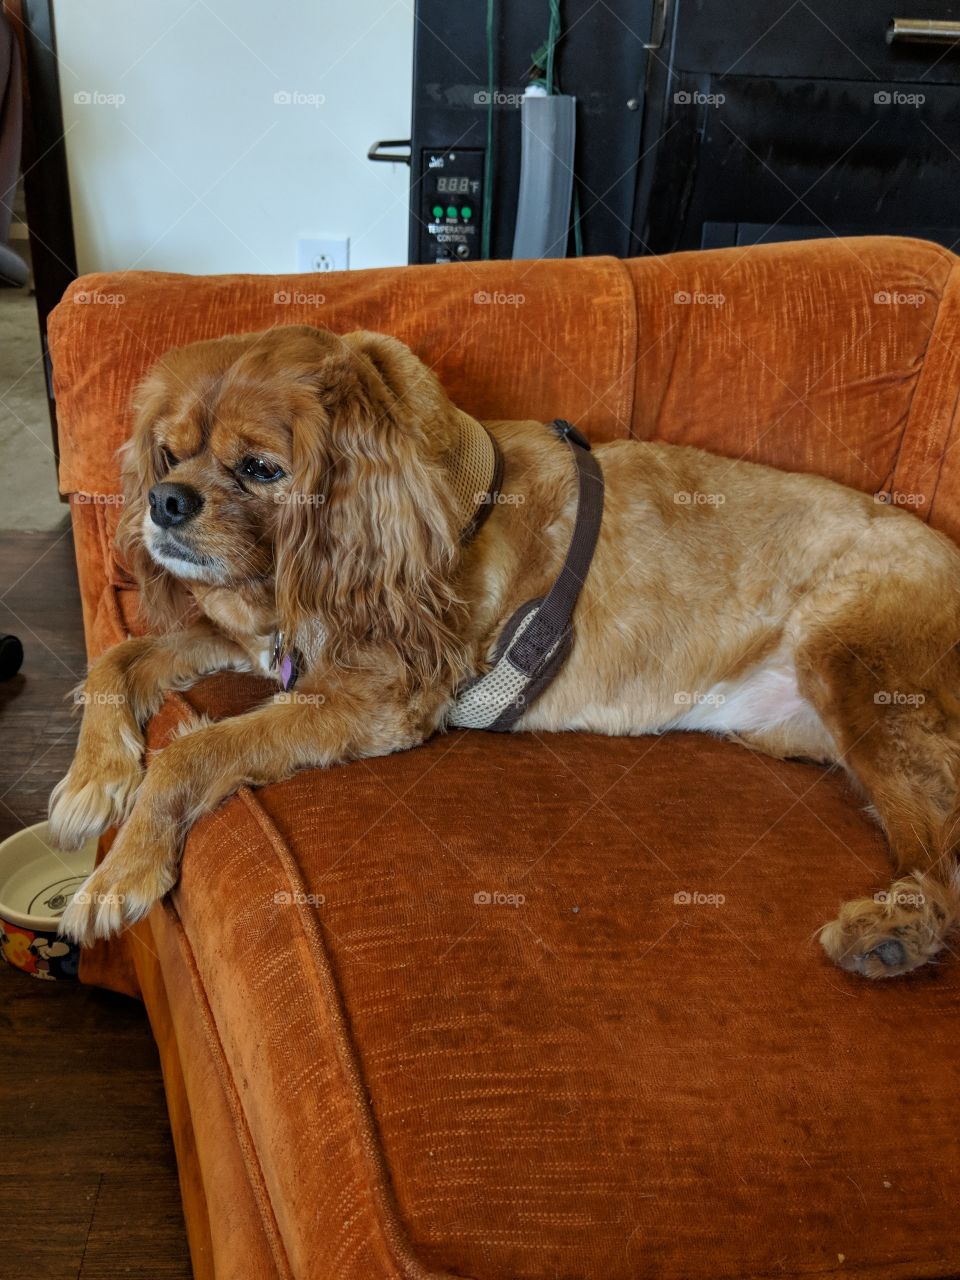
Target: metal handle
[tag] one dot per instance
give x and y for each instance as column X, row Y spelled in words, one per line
column 924, row 30
column 375, row 152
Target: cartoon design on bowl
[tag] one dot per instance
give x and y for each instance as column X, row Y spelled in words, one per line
column 45, row 951
column 15, row 945
column 39, row 954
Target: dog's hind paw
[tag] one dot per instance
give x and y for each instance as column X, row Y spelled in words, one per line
column 893, row 932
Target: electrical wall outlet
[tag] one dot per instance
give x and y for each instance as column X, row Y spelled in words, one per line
column 323, row 253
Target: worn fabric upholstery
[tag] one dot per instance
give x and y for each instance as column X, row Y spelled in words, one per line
column 551, row 1006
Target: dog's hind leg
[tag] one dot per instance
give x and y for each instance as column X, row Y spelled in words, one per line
column 885, row 683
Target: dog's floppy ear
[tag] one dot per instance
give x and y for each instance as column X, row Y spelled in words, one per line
column 163, row 600
column 368, row 540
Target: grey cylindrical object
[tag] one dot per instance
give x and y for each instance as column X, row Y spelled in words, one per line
column 548, row 131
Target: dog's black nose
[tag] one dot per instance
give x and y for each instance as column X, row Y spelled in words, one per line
column 172, row 504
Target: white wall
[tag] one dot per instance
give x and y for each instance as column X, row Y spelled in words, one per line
column 197, row 168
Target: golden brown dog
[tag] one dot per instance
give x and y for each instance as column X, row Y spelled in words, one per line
column 298, row 481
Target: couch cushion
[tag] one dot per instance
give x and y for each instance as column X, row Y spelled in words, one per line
column 507, row 339
column 551, row 1006
column 823, row 356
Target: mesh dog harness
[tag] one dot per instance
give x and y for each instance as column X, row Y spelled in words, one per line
column 536, row 640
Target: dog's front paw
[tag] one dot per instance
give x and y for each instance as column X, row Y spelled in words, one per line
column 98, row 792
column 893, row 932
column 121, row 890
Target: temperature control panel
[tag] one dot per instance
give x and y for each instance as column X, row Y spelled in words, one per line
column 451, row 205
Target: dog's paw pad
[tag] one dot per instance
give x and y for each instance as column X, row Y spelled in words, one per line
column 891, row 954
column 889, row 934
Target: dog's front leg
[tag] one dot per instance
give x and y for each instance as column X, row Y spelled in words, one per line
column 123, row 689
column 197, row 771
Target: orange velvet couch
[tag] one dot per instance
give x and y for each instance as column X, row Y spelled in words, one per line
column 552, row 1006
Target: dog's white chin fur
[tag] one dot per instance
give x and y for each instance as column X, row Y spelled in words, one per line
column 185, row 569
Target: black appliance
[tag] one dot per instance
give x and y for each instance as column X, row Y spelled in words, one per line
column 698, row 122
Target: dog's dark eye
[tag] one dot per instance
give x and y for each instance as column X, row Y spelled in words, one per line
column 260, row 469
column 170, row 459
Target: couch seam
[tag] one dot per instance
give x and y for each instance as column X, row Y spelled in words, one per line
column 924, row 450
column 245, row 1141
column 116, row 616
column 946, row 445
column 384, row 1206
column 951, row 428
column 105, row 554
column 908, row 415
column 629, row 333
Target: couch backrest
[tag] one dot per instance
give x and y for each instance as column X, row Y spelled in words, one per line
column 525, row 339
column 833, row 356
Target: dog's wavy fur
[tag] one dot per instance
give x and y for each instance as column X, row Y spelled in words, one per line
column 799, row 617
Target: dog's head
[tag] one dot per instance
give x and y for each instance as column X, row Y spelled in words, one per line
column 307, row 466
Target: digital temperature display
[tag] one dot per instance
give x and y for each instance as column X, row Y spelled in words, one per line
column 453, row 186
column 449, row 205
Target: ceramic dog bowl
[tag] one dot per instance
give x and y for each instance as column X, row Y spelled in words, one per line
column 36, row 883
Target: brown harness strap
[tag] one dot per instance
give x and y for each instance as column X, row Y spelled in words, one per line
column 537, row 638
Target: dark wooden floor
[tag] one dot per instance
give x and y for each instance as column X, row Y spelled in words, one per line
column 88, row 1183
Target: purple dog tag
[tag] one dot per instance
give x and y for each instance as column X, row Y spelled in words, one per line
column 288, row 671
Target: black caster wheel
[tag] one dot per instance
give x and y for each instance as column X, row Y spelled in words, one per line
column 11, row 656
